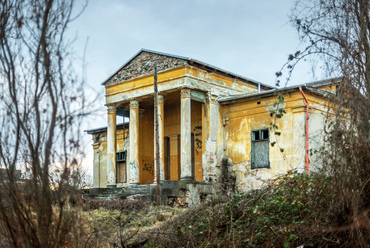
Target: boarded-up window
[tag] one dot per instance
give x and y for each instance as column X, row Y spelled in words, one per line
column 122, row 172
column 260, row 149
column 121, row 167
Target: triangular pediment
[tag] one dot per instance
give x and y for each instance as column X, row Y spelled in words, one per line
column 143, row 64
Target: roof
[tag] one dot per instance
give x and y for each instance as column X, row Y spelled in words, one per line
column 191, row 61
column 320, row 82
column 263, row 94
column 104, row 129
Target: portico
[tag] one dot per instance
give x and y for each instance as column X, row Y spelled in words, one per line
column 180, row 143
column 213, row 125
column 190, row 130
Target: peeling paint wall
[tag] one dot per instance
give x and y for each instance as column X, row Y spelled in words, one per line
column 244, row 117
column 172, row 116
column 218, row 131
column 215, row 83
column 175, row 78
column 213, row 152
column 146, row 144
column 100, row 155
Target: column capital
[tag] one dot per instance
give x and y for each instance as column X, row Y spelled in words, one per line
column 112, row 109
column 134, row 104
column 160, row 98
column 212, row 98
column 185, row 92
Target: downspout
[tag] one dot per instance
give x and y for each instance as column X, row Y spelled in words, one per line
column 307, row 133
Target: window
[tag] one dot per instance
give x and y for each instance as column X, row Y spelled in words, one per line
column 121, row 166
column 260, row 149
column 121, row 156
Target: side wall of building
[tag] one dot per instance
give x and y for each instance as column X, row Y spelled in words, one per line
column 243, row 118
column 100, row 155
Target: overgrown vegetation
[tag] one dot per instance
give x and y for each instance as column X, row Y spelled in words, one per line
column 293, row 210
column 121, row 223
column 41, row 108
column 40, row 116
column 337, row 37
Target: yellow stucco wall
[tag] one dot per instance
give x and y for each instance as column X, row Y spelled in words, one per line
column 220, row 131
column 233, row 127
column 172, row 130
column 175, row 78
column 100, row 155
column 244, row 117
column 146, row 146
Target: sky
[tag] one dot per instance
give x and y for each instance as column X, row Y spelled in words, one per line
column 252, row 38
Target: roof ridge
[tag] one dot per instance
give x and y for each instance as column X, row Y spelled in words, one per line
column 188, row 59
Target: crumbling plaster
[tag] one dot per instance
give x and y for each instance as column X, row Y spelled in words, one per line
column 174, row 79
column 222, row 129
column 244, row 117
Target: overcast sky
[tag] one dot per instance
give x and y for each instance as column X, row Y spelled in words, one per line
column 248, row 37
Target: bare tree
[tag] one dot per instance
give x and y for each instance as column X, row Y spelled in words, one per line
column 337, row 34
column 41, row 107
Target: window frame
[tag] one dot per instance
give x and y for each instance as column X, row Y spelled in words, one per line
column 261, row 139
column 121, row 157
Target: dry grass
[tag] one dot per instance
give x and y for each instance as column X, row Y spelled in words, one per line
column 123, row 223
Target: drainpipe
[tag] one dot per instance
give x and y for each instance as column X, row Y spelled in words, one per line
column 307, row 134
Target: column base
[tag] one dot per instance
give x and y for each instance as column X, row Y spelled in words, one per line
column 155, row 181
column 187, row 179
column 133, row 184
column 111, row 186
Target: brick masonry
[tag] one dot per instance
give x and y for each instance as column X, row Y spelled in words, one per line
column 143, row 64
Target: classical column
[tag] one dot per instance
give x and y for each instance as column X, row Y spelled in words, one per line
column 161, row 138
column 213, row 116
column 96, row 168
column 186, row 135
column 210, row 169
column 111, row 147
column 134, row 142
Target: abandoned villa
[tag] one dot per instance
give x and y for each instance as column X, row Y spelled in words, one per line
column 211, row 121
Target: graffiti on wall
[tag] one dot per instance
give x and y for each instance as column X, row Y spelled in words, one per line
column 197, row 139
column 148, row 165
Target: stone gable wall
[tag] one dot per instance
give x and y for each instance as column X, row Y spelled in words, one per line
column 143, row 64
